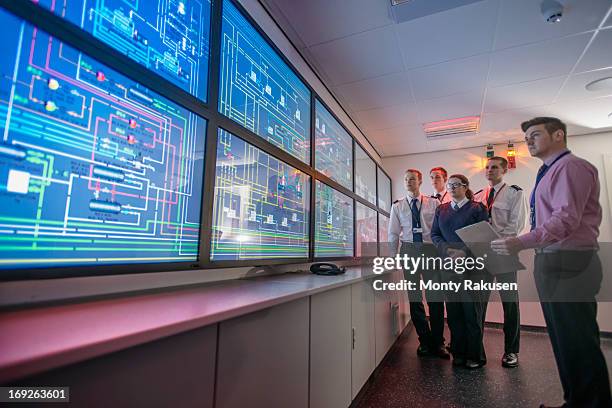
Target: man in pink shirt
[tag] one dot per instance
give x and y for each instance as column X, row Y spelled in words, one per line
column 565, row 218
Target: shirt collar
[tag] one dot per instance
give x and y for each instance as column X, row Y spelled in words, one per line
column 498, row 186
column 462, row 202
column 411, row 196
column 551, row 159
column 442, row 193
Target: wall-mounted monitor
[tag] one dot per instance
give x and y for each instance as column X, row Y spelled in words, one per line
column 365, row 175
column 333, row 223
column 261, row 207
column 169, row 37
column 333, row 148
column 384, row 191
column 258, row 90
column 365, row 231
column 95, row 169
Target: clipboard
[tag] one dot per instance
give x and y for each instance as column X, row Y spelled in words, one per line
column 478, row 238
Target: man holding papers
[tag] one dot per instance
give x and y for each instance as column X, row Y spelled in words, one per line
column 565, row 219
column 507, row 208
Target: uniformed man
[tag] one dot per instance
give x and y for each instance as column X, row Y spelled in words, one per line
column 411, row 219
column 439, row 176
column 507, row 207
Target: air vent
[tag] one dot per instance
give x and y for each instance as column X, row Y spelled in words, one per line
column 468, row 124
column 407, row 10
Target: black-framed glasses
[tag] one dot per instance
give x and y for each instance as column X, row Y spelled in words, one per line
column 452, row 186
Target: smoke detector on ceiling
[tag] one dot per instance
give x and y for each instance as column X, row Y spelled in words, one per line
column 552, row 11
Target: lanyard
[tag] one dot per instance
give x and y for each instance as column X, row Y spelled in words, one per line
column 419, row 210
column 495, row 196
column 441, row 199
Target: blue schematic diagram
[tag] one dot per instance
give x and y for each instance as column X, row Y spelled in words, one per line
column 261, row 207
column 94, row 168
column 333, row 222
column 333, row 148
column 169, row 37
column 258, row 90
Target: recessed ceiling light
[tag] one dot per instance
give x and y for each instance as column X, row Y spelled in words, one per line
column 602, row 84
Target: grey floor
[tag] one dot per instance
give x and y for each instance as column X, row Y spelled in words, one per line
column 405, row 380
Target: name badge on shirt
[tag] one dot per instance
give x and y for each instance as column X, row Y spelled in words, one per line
column 417, row 230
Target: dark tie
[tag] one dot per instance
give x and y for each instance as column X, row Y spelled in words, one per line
column 438, row 196
column 541, row 172
column 416, row 221
column 454, row 206
column 490, row 199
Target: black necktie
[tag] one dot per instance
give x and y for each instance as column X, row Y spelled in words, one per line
column 541, row 172
column 416, row 221
column 490, row 198
column 438, row 196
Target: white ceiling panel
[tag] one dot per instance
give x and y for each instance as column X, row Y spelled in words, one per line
column 521, row 21
column 318, row 21
column 575, row 86
column 599, row 54
column 448, row 78
column 587, row 113
column 387, row 117
column 533, row 93
column 378, row 92
column 456, row 33
column 530, row 62
column 450, row 107
column 344, row 60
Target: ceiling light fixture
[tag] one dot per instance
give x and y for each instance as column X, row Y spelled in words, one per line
column 601, row 84
column 468, row 124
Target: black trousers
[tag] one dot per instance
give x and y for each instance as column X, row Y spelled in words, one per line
column 512, row 317
column 431, row 333
column 464, row 310
column 567, row 282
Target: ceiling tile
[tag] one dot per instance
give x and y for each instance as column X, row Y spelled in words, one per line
column 344, row 60
column 537, row 61
column 450, row 107
column 575, row 86
column 507, row 125
column 521, row 21
column 533, row 93
column 456, row 33
column 598, row 55
column 377, row 92
column 449, row 78
column 318, row 21
column 387, row 117
column 586, row 113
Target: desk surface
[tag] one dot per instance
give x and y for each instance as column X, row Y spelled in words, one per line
column 35, row 340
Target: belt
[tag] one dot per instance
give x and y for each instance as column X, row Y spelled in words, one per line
column 556, row 251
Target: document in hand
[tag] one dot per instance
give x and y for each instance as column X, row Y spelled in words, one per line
column 478, row 238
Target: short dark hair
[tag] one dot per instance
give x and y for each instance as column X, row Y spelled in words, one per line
column 417, row 172
column 502, row 160
column 441, row 170
column 551, row 124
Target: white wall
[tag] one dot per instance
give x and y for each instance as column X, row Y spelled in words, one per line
column 471, row 163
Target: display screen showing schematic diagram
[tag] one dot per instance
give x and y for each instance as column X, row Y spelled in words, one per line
column 258, row 90
column 169, row 37
column 261, row 207
column 95, row 169
column 334, row 148
column 333, row 223
column 366, row 232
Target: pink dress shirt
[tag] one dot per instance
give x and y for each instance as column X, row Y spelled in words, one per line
column 568, row 213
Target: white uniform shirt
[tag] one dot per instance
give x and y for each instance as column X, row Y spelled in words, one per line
column 401, row 220
column 509, row 208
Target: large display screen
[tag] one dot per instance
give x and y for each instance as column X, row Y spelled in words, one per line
column 333, row 223
column 170, row 37
column 366, row 223
column 258, row 90
column 333, row 148
column 261, row 207
column 365, row 175
column 94, row 168
column 384, row 191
